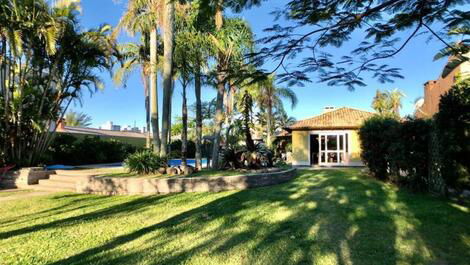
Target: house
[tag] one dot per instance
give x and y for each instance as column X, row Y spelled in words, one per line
column 329, row 139
column 434, row 89
column 134, row 138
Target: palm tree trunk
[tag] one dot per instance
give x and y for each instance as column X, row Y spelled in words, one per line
column 220, row 91
column 269, row 125
column 219, row 119
column 154, row 92
column 184, row 134
column 168, row 32
column 145, row 79
column 170, row 116
column 197, row 88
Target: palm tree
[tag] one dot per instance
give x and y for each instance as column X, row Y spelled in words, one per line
column 192, row 50
column 46, row 63
column 388, row 103
column 78, row 119
column 395, row 97
column 142, row 16
column 135, row 56
column 232, row 42
column 168, row 39
column 269, row 95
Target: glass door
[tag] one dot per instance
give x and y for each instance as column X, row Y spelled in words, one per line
column 333, row 148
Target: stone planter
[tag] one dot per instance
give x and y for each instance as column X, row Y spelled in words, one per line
column 131, row 186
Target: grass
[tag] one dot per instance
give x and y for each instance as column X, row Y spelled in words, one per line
column 14, row 192
column 321, row 217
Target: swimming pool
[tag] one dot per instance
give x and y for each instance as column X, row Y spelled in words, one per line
column 191, row 162
column 172, row 162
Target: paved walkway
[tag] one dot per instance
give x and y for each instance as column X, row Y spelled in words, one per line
column 14, row 194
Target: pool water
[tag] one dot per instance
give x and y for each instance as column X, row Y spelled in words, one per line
column 172, row 162
column 191, row 162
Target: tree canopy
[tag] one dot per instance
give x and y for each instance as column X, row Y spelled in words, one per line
column 387, row 26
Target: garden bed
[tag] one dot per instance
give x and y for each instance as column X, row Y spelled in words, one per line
column 109, row 185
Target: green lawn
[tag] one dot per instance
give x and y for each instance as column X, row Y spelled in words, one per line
column 321, row 217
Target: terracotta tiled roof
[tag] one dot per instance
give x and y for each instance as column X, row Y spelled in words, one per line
column 100, row 132
column 342, row 118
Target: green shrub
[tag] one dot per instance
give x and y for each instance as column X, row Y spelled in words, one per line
column 453, row 130
column 233, row 157
column 145, row 162
column 69, row 150
column 377, row 136
column 410, row 153
column 175, row 148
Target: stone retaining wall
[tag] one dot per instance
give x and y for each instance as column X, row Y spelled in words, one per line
column 131, row 186
column 24, row 177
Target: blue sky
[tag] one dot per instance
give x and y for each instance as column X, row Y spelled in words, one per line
column 125, row 106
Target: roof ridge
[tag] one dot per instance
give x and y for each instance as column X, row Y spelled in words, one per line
column 343, row 116
column 344, row 107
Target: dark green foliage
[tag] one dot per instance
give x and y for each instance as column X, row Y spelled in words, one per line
column 377, row 136
column 246, row 110
column 260, row 157
column 68, row 150
column 453, row 129
column 176, row 149
column 318, row 37
column 145, row 162
column 410, row 153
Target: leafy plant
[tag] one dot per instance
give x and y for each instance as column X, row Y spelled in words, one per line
column 377, row 135
column 145, row 162
column 410, row 153
column 453, row 129
column 69, row 150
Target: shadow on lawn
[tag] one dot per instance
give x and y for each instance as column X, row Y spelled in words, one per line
column 322, row 216
column 129, row 207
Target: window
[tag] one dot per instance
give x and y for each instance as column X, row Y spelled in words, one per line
column 332, row 142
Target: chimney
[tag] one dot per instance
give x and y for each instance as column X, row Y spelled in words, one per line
column 61, row 125
column 328, row 109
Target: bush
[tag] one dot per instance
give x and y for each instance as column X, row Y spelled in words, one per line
column 453, row 131
column 145, row 162
column 410, row 153
column 69, row 150
column 175, row 148
column 377, row 135
column 233, row 157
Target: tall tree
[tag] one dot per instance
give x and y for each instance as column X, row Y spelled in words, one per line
column 143, row 16
column 388, row 103
column 232, row 42
column 78, row 119
column 192, row 47
column 168, row 41
column 136, row 56
column 317, row 27
column 270, row 96
column 47, row 62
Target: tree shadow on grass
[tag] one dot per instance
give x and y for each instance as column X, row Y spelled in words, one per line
column 321, row 217
column 71, row 203
column 315, row 218
column 129, row 207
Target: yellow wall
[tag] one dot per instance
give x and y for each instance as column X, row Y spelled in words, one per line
column 300, row 148
column 355, row 147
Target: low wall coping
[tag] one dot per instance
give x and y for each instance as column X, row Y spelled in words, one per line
column 143, row 186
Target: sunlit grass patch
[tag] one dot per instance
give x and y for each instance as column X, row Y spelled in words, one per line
column 321, row 217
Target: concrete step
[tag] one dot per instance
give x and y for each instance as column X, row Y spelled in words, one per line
column 56, row 183
column 51, row 188
column 67, row 178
